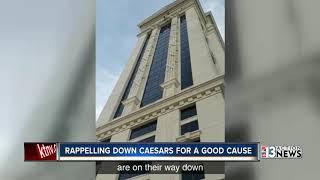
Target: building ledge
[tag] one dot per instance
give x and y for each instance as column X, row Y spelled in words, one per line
column 189, row 136
column 163, row 106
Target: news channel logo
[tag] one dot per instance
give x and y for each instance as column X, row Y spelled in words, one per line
column 281, row 152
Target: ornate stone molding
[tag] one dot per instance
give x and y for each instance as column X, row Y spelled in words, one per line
column 152, row 111
column 144, row 64
column 171, row 70
column 130, row 104
column 171, row 75
column 177, row 7
column 170, row 87
column 189, row 136
column 172, row 82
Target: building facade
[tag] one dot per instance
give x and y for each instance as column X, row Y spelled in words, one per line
column 171, row 89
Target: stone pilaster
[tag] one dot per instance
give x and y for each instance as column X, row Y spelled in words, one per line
column 168, row 127
column 202, row 64
column 116, row 95
column 134, row 97
column 130, row 104
column 171, row 83
column 211, row 118
column 217, row 48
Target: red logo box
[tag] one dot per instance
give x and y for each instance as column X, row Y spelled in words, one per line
column 40, row 151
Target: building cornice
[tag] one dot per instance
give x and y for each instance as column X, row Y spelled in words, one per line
column 161, row 12
column 152, row 111
column 215, row 27
column 189, row 136
column 176, row 8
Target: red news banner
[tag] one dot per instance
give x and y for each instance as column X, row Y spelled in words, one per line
column 40, row 151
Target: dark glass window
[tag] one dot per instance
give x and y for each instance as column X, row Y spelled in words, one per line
column 153, row 91
column 189, row 127
column 196, row 140
column 188, row 112
column 148, row 140
column 127, row 90
column 119, row 110
column 139, row 131
column 186, row 72
column 106, row 140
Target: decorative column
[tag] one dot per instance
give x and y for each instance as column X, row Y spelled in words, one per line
column 116, row 95
column 211, row 117
column 203, row 67
column 168, row 127
column 134, row 98
column 217, row 48
column 171, row 83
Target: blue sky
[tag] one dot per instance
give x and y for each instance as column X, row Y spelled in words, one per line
column 116, row 30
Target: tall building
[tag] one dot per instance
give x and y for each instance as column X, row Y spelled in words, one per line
column 171, row 90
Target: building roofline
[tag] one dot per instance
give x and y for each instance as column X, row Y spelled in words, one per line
column 209, row 13
column 177, row 3
column 168, row 8
column 159, row 12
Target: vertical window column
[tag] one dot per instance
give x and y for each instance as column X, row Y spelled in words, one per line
column 203, row 67
column 186, row 72
column 189, row 120
column 153, row 91
column 171, row 80
column 133, row 101
column 127, row 90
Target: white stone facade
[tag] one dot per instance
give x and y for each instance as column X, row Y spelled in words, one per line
column 207, row 64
